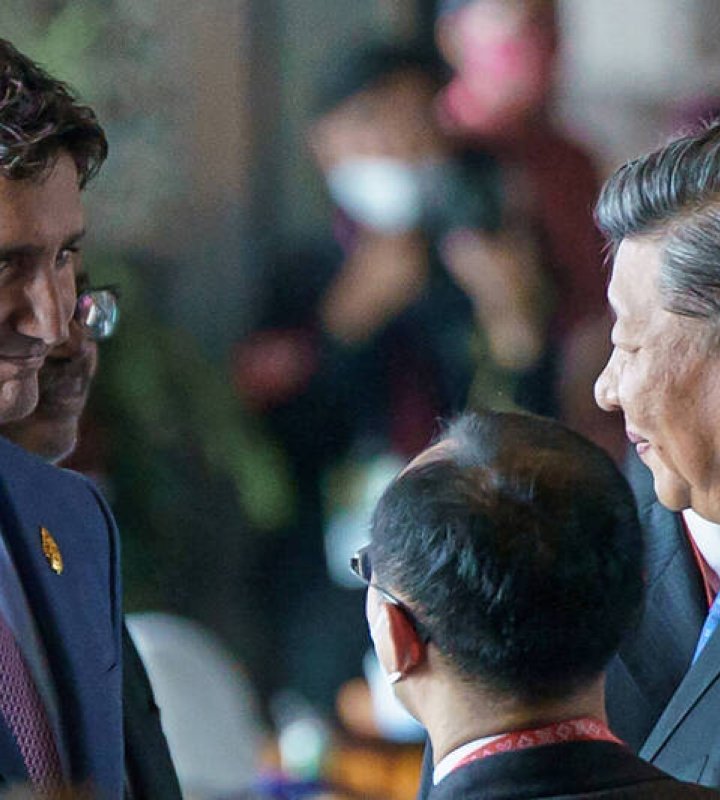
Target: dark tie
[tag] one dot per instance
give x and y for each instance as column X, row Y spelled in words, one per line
column 25, row 715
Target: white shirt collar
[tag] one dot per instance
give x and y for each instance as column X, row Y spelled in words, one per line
column 706, row 536
column 447, row 764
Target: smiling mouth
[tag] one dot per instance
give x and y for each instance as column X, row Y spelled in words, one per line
column 641, row 445
column 31, row 361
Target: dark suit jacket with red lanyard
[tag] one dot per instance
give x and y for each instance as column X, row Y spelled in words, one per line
column 77, row 611
column 598, row 770
column 666, row 710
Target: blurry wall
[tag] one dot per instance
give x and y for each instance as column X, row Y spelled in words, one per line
column 632, row 71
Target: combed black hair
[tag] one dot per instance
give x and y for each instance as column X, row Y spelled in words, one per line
column 40, row 118
column 673, row 193
column 519, row 548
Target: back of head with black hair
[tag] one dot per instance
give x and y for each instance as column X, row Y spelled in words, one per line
column 520, row 551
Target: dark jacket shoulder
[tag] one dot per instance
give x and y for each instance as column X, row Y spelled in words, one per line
column 598, row 770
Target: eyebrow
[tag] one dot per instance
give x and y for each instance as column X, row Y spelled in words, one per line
column 33, row 250
column 75, row 238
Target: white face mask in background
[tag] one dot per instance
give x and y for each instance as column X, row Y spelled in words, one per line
column 380, row 193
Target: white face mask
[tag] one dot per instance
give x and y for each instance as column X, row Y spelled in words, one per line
column 381, row 193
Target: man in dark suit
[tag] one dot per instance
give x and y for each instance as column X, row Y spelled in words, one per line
column 60, row 615
column 503, row 571
column 51, row 432
column 661, row 215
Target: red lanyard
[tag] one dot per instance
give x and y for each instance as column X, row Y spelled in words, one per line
column 571, row 730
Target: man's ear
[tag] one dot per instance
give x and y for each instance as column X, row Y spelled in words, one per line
column 407, row 650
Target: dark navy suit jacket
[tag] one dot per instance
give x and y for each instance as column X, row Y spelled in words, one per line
column 77, row 612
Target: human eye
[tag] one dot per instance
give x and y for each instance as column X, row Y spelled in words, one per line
column 66, row 256
column 10, row 266
column 620, row 339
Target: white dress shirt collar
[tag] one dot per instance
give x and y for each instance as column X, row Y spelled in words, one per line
column 706, row 536
column 447, row 764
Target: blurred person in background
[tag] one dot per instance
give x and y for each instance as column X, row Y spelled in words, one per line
column 660, row 215
column 51, row 431
column 503, row 571
column 371, row 337
column 421, row 222
column 502, row 54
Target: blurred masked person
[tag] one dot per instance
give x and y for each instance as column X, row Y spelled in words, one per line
column 426, row 253
column 502, row 53
column 504, row 568
column 51, row 432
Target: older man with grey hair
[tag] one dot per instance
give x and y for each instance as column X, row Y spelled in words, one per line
column 661, row 215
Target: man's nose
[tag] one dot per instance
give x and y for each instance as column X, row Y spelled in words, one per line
column 49, row 302
column 74, row 346
column 606, row 386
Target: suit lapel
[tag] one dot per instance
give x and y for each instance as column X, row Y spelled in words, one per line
column 687, row 617
column 72, row 611
column 658, row 654
column 702, row 675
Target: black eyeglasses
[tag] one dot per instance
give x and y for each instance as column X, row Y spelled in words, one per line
column 97, row 311
column 361, row 565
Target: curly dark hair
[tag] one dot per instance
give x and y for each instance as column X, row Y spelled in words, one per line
column 40, row 118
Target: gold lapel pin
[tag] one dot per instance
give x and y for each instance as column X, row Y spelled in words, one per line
column 51, row 551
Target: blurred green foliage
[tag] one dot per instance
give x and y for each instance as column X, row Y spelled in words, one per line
column 189, row 470
column 162, row 390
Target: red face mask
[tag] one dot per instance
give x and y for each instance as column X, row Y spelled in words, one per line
column 504, row 66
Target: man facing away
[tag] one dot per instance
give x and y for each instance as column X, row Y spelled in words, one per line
column 60, row 673
column 504, row 568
